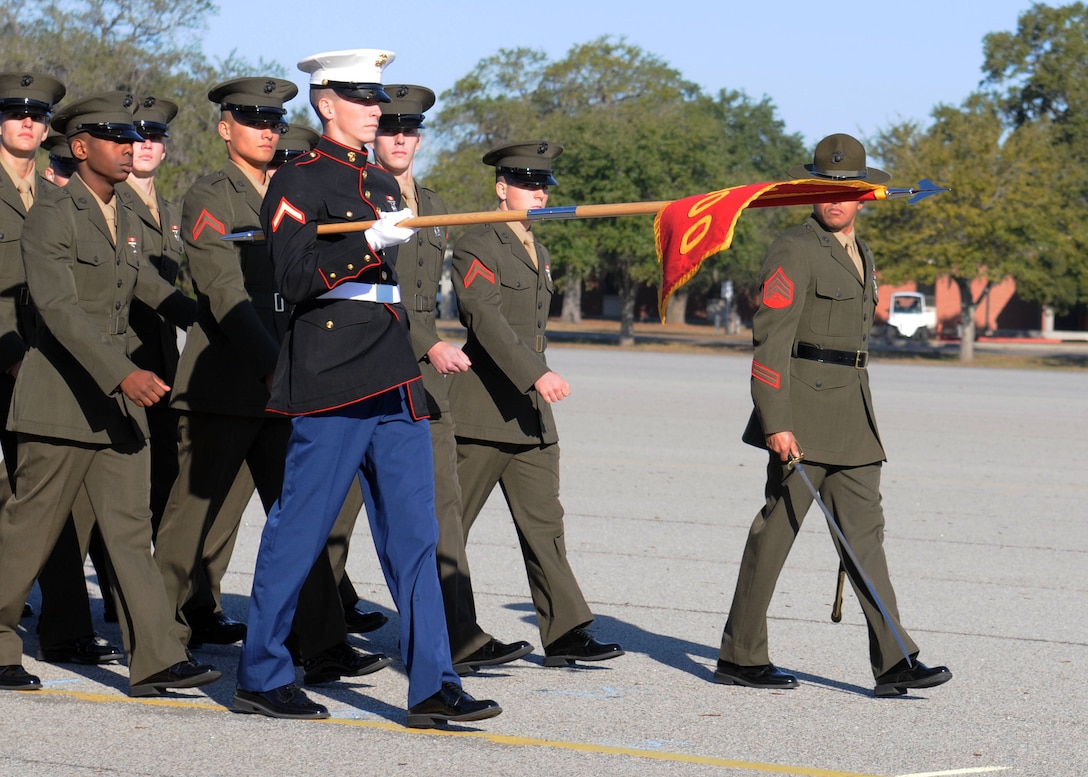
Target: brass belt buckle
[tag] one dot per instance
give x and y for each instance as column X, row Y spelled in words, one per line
column 117, row 324
column 861, row 360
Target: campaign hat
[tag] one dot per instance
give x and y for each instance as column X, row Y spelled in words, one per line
column 527, row 163
column 840, row 157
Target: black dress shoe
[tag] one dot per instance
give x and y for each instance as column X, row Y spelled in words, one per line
column 28, row 611
column 287, row 701
column 492, row 653
column 184, row 674
column 342, row 661
column 15, row 678
column 360, row 622
column 577, row 645
column 761, row 676
column 901, row 677
column 451, row 703
column 218, row 630
column 85, row 650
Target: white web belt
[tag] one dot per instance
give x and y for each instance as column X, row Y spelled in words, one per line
column 364, row 292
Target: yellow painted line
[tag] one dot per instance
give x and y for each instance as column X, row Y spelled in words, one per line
column 958, row 772
column 498, row 739
column 111, row 699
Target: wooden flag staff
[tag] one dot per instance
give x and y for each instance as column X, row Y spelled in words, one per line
column 799, row 192
column 487, row 217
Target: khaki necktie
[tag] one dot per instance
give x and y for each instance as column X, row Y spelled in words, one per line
column 409, row 196
column 25, row 192
column 855, row 256
column 151, row 200
column 530, row 246
column 109, row 212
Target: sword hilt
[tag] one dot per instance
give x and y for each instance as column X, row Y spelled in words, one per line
column 793, row 461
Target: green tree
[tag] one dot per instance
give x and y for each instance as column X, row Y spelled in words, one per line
column 998, row 220
column 147, row 47
column 1043, row 69
column 614, row 106
column 1041, row 73
column 633, row 130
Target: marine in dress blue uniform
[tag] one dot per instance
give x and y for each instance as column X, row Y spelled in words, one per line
column 348, row 379
column 228, row 442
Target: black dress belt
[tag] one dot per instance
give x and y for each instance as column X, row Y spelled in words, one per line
column 857, row 359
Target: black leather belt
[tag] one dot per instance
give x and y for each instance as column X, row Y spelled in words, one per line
column 859, row 360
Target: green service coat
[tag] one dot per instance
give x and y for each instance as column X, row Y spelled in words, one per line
column 419, row 270
column 16, row 317
column 82, row 286
column 504, row 303
column 155, row 340
column 241, row 319
column 811, row 293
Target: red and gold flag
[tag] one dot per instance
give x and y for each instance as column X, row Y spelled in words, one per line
column 687, row 231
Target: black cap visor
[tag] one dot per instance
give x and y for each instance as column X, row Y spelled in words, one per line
column 257, row 114
column 527, row 176
column 63, row 165
column 108, row 130
column 151, row 129
column 400, row 121
column 284, row 155
column 360, row 92
column 25, row 105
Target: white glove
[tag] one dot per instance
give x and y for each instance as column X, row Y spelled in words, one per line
column 385, row 231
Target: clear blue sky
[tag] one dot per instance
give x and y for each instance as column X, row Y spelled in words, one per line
column 885, row 62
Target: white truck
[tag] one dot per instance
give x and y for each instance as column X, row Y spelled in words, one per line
column 909, row 317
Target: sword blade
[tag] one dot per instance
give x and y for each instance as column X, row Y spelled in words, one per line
column 799, row 467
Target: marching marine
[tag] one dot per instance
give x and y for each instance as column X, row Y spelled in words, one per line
column 505, row 431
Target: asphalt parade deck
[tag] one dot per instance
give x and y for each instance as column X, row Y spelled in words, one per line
column 984, row 492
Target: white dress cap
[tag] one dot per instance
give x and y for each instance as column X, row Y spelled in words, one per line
column 352, row 66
